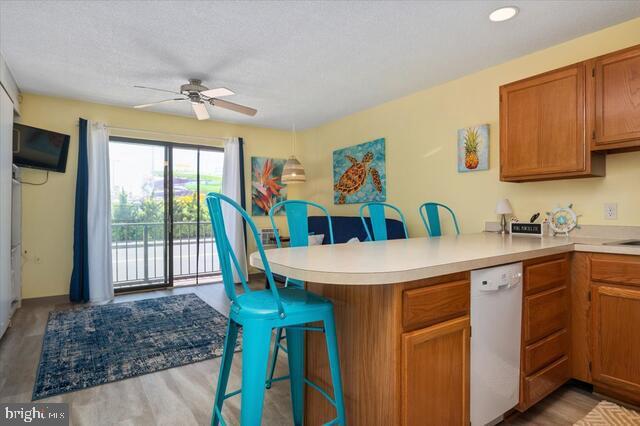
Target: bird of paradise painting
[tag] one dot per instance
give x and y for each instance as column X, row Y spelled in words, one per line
column 267, row 188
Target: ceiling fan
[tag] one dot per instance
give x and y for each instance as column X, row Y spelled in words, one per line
column 199, row 96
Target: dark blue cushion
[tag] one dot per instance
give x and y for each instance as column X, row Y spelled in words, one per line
column 347, row 227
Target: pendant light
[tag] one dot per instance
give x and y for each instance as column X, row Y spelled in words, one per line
column 293, row 171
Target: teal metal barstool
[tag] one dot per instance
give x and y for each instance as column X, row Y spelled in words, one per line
column 297, row 213
column 431, row 218
column 379, row 220
column 259, row 312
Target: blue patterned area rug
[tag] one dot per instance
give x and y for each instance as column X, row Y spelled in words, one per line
column 94, row 345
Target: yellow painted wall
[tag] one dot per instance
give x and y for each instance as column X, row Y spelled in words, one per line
column 48, row 210
column 420, row 132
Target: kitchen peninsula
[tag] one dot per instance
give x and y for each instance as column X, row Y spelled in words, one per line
column 403, row 320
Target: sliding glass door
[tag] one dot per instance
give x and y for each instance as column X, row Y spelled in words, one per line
column 138, row 214
column 194, row 173
column 160, row 224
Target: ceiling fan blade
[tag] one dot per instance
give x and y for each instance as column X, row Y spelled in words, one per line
column 217, row 93
column 166, row 101
column 159, row 90
column 200, row 110
column 233, row 107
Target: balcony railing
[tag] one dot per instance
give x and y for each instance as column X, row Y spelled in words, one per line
column 139, row 251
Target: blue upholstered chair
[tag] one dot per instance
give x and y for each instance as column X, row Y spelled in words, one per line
column 297, row 213
column 259, row 312
column 378, row 220
column 431, row 218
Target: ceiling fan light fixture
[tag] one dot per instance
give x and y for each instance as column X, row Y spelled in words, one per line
column 503, row 14
column 198, row 94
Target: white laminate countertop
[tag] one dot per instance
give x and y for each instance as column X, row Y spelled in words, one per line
column 394, row 261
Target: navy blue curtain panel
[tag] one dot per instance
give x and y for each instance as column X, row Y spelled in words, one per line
column 243, row 201
column 79, row 286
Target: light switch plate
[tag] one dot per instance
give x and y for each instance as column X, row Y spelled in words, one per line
column 611, row 211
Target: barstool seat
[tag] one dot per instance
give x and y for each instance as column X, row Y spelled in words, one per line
column 260, row 303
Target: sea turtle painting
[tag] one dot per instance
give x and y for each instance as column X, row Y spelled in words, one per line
column 361, row 177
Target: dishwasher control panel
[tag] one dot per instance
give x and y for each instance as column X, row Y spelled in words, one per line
column 506, row 278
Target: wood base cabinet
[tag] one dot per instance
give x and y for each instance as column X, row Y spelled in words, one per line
column 544, row 364
column 435, row 374
column 605, row 311
column 405, row 347
column 404, row 353
column 616, row 339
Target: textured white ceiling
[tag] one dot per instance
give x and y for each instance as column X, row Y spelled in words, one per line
column 302, row 62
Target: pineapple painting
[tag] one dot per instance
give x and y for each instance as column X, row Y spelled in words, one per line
column 471, row 145
column 473, row 148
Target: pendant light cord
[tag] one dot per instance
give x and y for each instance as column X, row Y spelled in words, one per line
column 293, row 151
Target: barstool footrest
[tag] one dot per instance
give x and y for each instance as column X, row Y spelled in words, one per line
column 322, row 392
column 234, row 393
column 282, row 348
column 279, row 379
column 305, row 328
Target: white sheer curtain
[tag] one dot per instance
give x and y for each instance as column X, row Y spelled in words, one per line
column 231, row 181
column 99, row 214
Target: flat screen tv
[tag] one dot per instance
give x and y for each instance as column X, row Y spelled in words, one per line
column 39, row 149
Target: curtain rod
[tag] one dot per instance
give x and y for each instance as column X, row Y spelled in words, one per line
column 166, row 134
column 155, row 132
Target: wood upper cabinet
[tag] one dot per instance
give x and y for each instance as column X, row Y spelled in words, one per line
column 542, row 127
column 561, row 123
column 615, row 314
column 435, row 374
column 614, row 92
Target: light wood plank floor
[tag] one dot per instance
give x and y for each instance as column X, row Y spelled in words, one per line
column 178, row 396
column 565, row 406
column 184, row 395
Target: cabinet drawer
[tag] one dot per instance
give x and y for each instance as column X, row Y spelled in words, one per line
column 616, row 269
column 545, row 313
column 544, row 382
column 545, row 351
column 546, row 275
column 430, row 305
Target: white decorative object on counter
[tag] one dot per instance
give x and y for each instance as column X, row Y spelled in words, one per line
column 563, row 220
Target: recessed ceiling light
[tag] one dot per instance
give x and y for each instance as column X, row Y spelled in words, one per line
column 503, row 14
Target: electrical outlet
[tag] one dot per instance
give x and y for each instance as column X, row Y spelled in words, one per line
column 611, row 211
